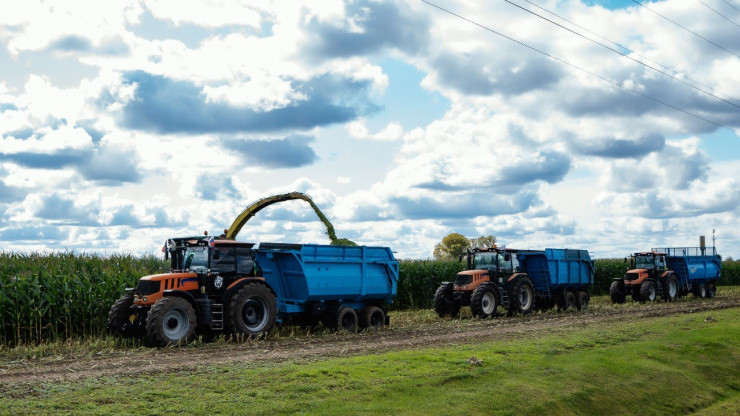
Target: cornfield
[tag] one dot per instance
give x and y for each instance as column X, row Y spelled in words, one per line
column 45, row 297
column 63, row 295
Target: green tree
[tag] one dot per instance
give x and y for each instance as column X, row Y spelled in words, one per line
column 483, row 241
column 451, row 247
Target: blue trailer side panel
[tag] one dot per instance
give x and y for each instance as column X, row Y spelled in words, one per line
column 693, row 264
column 564, row 268
column 312, row 273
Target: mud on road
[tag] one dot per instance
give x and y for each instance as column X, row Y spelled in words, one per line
column 20, row 377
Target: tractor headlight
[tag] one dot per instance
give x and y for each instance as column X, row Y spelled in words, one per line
column 218, row 282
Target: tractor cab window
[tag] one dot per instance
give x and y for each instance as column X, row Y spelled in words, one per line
column 244, row 260
column 195, row 259
column 224, row 260
column 660, row 262
column 644, row 262
column 484, row 260
column 505, row 263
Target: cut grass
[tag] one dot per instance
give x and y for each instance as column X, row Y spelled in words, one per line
column 678, row 364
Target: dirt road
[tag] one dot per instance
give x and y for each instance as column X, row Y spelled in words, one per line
column 15, row 375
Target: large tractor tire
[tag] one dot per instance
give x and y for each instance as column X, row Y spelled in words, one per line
column 522, row 299
column 171, row 321
column 483, row 302
column 119, row 323
column 617, row 293
column 711, row 290
column 344, row 319
column 670, row 288
column 252, row 311
column 582, row 299
column 700, row 290
column 372, row 318
column 648, row 291
column 444, row 302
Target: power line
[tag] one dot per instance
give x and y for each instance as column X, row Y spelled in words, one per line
column 581, row 69
column 723, row 16
column 629, row 51
column 687, row 29
column 622, row 53
column 731, row 5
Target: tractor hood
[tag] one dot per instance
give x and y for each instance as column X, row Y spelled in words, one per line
column 151, row 288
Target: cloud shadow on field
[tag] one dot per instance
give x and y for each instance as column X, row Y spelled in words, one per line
column 163, row 105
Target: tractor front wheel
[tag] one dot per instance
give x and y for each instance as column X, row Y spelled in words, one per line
column 119, row 318
column 171, row 321
column 483, row 302
column 444, row 302
column 617, row 293
column 647, row 291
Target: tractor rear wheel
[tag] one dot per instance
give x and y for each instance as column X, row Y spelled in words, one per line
column 582, row 299
column 171, row 321
column 119, row 318
column 648, row 291
column 345, row 319
column 444, row 302
column 252, row 311
column 523, row 296
column 372, row 318
column 711, row 290
column 670, row 288
column 616, row 292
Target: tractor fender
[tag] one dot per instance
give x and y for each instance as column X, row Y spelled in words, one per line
column 236, row 285
column 667, row 273
column 515, row 276
column 181, row 294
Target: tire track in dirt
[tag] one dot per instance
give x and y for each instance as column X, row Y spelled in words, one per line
column 20, row 378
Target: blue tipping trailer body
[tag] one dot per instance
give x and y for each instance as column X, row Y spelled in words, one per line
column 693, row 265
column 556, row 269
column 304, row 275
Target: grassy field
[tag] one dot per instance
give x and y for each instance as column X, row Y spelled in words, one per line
column 670, row 365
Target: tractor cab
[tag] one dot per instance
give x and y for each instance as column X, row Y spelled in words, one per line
column 644, row 265
column 486, row 265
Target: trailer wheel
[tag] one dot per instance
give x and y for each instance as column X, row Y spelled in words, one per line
column 346, row 319
column 582, row 299
column 670, row 289
column 483, row 302
column 569, row 301
column 372, row 318
column 648, row 291
column 523, row 296
column 700, row 290
column 171, row 321
column 711, row 290
column 119, row 322
column 616, row 292
column 444, row 303
column 252, row 311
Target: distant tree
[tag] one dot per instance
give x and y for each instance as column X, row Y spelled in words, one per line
column 485, row 241
column 451, row 247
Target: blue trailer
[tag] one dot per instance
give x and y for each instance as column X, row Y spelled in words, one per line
column 345, row 287
column 669, row 273
column 697, row 269
column 519, row 281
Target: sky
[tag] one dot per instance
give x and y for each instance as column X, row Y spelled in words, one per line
column 613, row 127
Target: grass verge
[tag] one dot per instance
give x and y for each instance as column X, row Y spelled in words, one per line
column 680, row 364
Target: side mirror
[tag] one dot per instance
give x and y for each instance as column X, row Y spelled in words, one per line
column 459, row 259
